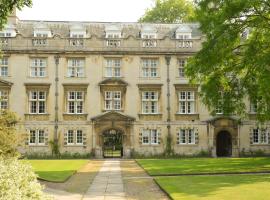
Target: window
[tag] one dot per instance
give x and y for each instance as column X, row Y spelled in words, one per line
column 70, row 137
column 3, row 99
column 79, row 137
column 76, row 39
column 186, row 136
column 75, row 101
column 113, row 68
column 112, row 100
column 149, row 40
column 181, row 67
column 38, row 67
column 183, row 36
column 40, row 38
column 74, row 137
column 113, row 35
column 149, row 67
column 260, row 136
column 75, row 67
column 5, row 34
column 150, row 102
column 253, row 106
column 150, row 136
column 37, row 137
column 4, row 67
column 219, row 108
column 186, row 102
column 37, row 102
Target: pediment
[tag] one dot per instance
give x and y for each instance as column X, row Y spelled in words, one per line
column 113, row 82
column 113, row 116
column 4, row 83
column 220, row 121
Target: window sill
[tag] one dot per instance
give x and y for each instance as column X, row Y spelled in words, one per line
column 37, row 145
column 150, row 114
column 150, row 78
column 78, row 77
column 36, row 77
column 74, row 145
column 259, row 144
column 36, row 114
column 121, row 110
column 187, row 144
column 75, row 114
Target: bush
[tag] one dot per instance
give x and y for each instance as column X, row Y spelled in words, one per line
column 18, row 181
column 65, row 155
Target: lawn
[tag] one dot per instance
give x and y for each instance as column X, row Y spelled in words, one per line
column 56, row 170
column 217, row 187
column 204, row 165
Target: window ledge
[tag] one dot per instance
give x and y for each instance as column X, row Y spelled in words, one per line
column 259, row 144
column 37, row 145
column 189, row 114
column 75, row 114
column 34, row 114
column 150, row 114
column 78, row 77
column 187, row 144
column 74, row 145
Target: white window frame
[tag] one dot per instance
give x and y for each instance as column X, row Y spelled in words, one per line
column 38, row 134
column 76, row 68
column 37, row 101
column 4, row 98
column 187, row 102
column 260, row 139
column 150, row 137
column 112, row 100
column 73, row 135
column 149, row 67
column 182, row 62
column 183, row 36
column 38, row 67
column 113, row 68
column 253, row 107
column 113, row 35
column 219, row 109
column 187, row 136
column 4, row 67
column 75, row 98
column 150, row 102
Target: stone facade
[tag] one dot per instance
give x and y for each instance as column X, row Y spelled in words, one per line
column 75, row 80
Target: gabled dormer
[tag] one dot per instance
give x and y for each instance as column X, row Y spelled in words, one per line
column 113, row 31
column 41, row 30
column 8, row 31
column 77, row 31
column 149, row 32
column 183, row 32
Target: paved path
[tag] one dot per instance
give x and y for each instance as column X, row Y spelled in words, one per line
column 108, row 184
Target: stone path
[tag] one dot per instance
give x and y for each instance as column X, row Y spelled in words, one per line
column 108, row 184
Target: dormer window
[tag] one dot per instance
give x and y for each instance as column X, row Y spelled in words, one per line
column 8, row 31
column 183, row 32
column 113, row 35
column 41, row 33
column 76, row 34
column 149, row 36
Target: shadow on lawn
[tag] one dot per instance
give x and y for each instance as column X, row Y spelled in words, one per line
column 79, row 182
column 205, row 165
column 204, row 186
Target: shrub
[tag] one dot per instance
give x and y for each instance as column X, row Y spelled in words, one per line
column 18, row 181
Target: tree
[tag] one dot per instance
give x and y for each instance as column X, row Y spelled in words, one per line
column 8, row 136
column 234, row 63
column 169, row 11
column 18, row 181
column 7, row 6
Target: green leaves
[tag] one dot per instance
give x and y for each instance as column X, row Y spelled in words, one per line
column 7, row 6
column 229, row 62
column 169, row 11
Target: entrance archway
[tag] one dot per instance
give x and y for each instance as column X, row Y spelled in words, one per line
column 112, row 143
column 224, row 144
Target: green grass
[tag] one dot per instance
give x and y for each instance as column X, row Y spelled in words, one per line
column 204, row 165
column 56, row 170
column 234, row 187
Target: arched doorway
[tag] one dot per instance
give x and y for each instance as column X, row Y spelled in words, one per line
column 112, row 144
column 224, row 144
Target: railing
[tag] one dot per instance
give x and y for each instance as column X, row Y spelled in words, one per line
column 113, row 43
column 39, row 42
column 149, row 43
column 20, row 43
column 185, row 44
column 76, row 42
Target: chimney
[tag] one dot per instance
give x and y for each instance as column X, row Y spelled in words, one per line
column 12, row 18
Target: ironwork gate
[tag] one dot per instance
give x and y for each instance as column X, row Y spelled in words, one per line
column 112, row 144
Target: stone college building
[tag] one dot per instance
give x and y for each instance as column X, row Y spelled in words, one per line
column 114, row 89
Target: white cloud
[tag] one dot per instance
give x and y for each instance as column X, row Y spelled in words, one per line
column 86, row 10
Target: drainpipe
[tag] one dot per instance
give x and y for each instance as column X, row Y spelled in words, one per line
column 169, row 139
column 56, row 108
